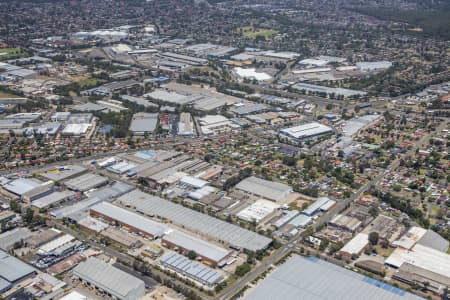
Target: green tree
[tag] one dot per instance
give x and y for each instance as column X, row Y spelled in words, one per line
column 373, row 238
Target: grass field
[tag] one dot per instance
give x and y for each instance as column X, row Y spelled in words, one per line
column 88, row 82
column 11, row 53
column 6, row 95
column 250, row 32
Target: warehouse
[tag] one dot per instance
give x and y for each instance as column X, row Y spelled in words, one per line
column 143, row 123
column 9, row 238
column 63, row 173
column 327, row 90
column 52, row 199
column 86, row 182
column 210, row 253
column 315, row 279
column 21, row 186
column 191, row 269
column 121, row 237
column 345, row 223
column 219, row 230
column 355, row 246
column 321, row 204
column 186, row 125
column 242, row 109
column 51, row 246
column 131, row 221
column 258, row 211
column 252, row 74
column 112, row 281
column 274, row 191
column 169, row 97
column 216, row 124
column 306, row 131
column 41, row 191
column 14, row 270
column 425, row 263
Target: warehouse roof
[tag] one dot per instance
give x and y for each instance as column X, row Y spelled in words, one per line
column 434, row 240
column 52, row 198
column 9, row 238
column 107, row 277
column 207, row 225
column 306, row 130
column 13, row 269
column 63, row 172
column 264, row 188
column 317, row 205
column 257, row 211
column 314, row 279
column 130, row 218
column 356, row 244
column 199, row 246
column 422, row 257
column 86, row 182
column 193, row 269
column 21, row 186
column 144, row 122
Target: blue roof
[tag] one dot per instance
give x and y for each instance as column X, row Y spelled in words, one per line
column 13, row 269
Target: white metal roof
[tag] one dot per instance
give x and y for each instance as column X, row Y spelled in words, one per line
column 267, row 189
column 356, row 244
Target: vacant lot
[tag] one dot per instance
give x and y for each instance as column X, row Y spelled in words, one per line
column 253, row 32
column 11, row 53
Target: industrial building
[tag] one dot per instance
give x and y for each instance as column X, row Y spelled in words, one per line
column 417, row 235
column 13, row 271
column 305, row 132
column 258, row 211
column 191, row 269
column 421, row 264
column 9, row 238
column 130, row 220
column 109, row 280
column 346, row 93
column 246, row 108
column 63, row 173
column 219, row 230
column 216, row 124
column 186, row 125
column 209, row 253
column 270, row 190
column 315, row 279
column 52, row 199
column 51, row 246
column 355, row 246
column 21, row 186
column 345, row 222
column 143, row 123
column 86, row 182
column 321, row 204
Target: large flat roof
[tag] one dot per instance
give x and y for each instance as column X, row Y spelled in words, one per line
column 63, row 172
column 314, row 279
column 306, row 130
column 21, row 186
column 13, row 269
column 268, row 189
column 130, row 218
column 196, row 221
column 110, row 279
column 201, row 247
column 52, row 198
column 9, row 238
column 86, row 182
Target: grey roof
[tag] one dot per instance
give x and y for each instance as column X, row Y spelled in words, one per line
column 300, row 221
column 13, row 269
column 9, row 238
column 264, row 188
column 116, row 189
column 78, row 207
column 105, row 276
column 21, row 186
column 89, row 106
column 201, row 247
column 130, row 218
column 4, row 285
column 144, row 122
column 249, row 108
column 314, row 279
column 196, row 221
column 192, row 269
column 433, row 240
column 313, row 208
column 52, row 198
column 86, row 182
column 63, row 172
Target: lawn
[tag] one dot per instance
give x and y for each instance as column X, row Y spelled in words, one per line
column 12, row 53
column 88, row 82
column 250, row 32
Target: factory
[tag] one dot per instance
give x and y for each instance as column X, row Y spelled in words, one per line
column 13, row 271
column 312, row 278
column 209, row 253
column 219, row 230
column 321, row 204
column 258, row 211
column 313, row 88
column 129, row 220
column 252, row 74
column 305, row 132
column 86, row 182
column 191, row 269
column 186, row 125
column 109, row 280
column 216, row 124
column 270, row 190
column 143, row 123
column 355, row 246
column 9, row 238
